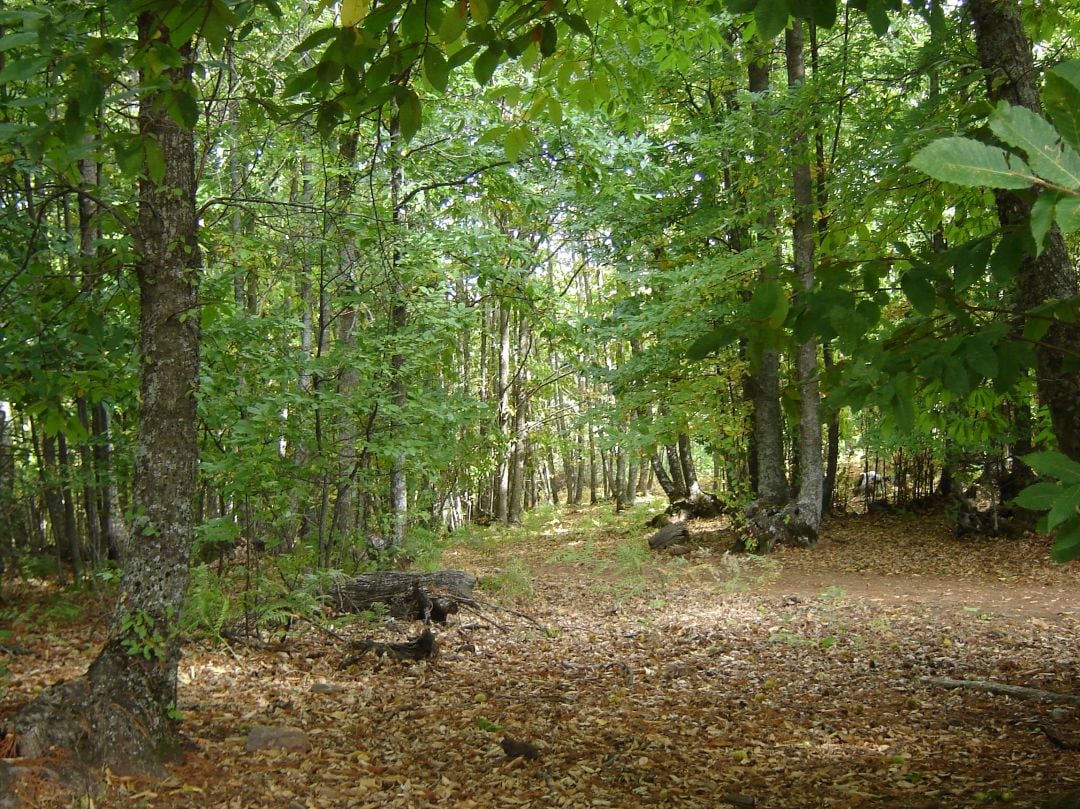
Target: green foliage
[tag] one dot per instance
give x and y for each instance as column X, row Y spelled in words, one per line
column 1061, row 501
column 208, row 608
column 512, row 582
column 141, row 637
column 1041, row 155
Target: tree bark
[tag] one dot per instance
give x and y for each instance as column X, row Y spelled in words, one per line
column 1005, row 52
column 806, row 360
column 768, row 435
column 399, row 321
column 118, row 714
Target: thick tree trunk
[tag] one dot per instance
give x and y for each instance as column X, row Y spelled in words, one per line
column 1005, row 53
column 806, row 360
column 768, row 434
column 118, row 715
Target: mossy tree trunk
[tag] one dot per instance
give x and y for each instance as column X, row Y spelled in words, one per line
column 120, row 713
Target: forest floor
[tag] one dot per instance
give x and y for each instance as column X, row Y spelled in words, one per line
column 706, row 680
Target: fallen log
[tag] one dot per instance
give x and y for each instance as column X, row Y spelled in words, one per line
column 1004, row 688
column 669, row 535
column 415, row 596
column 422, row 647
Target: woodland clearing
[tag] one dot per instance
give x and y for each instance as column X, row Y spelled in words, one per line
column 646, row 680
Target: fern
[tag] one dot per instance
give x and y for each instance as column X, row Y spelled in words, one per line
column 208, row 607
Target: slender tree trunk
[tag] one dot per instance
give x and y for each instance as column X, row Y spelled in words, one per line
column 348, row 432
column 1005, row 52
column 521, row 433
column 399, row 319
column 502, row 474
column 686, row 463
column 45, row 450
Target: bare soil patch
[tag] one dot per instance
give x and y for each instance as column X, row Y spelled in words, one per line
column 655, row 681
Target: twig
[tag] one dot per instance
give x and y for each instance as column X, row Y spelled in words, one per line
column 1004, row 688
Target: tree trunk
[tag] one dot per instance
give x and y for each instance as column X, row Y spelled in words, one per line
column 1005, row 53
column 686, row 464
column 806, row 360
column 768, row 433
column 399, row 320
column 502, row 473
column 118, row 715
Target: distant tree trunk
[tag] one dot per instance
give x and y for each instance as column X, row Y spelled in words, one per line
column 399, row 319
column 519, row 439
column 686, row 463
column 344, row 519
column 1005, row 52
column 118, row 715
column 806, row 361
column 502, row 474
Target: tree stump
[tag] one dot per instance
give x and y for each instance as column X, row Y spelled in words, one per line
column 413, row 596
column 669, row 535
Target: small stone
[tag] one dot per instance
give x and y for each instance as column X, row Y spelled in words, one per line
column 326, row 688
column 263, row 737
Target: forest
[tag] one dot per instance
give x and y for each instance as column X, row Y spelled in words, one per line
column 380, row 372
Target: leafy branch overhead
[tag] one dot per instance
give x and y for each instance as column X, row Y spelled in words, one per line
column 371, row 56
column 1039, row 153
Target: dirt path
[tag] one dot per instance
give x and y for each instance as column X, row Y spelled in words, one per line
column 786, row 683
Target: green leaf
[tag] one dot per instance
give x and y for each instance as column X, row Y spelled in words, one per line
column 452, row 25
column 480, row 11
column 1068, row 214
column 436, row 70
column 316, row 39
column 577, row 23
column 378, row 21
column 485, row 64
column 22, row 69
column 740, row 6
column 155, row 160
column 9, row 41
column 771, row 17
column 877, row 13
column 919, row 291
column 1062, row 100
column 514, row 143
column 1047, row 155
column 968, row 162
column 549, row 39
column 1054, row 464
column 979, row 356
column 769, row 304
column 410, row 113
column 1065, row 507
column 711, row 342
column 822, row 12
column 1005, row 262
column 1067, row 545
column 1038, row 496
column 1042, row 218
column 413, row 25
column 182, row 108
column 904, row 402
